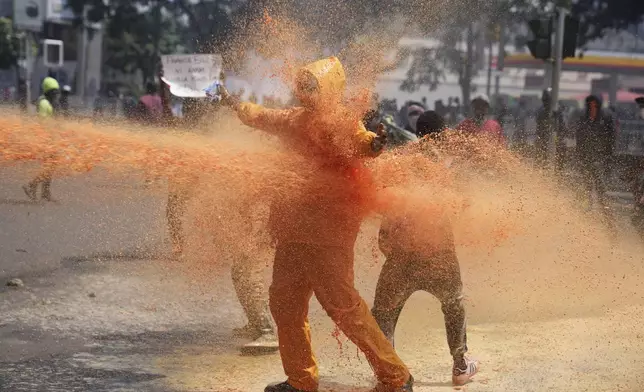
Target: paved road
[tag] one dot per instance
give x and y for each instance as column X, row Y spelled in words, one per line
column 94, row 214
column 102, row 310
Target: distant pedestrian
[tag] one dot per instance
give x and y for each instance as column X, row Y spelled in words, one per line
column 64, row 100
column 480, row 124
column 550, row 128
column 595, row 134
column 408, row 114
column 246, row 271
column 640, row 103
column 637, row 183
column 150, row 108
column 47, row 105
column 520, row 135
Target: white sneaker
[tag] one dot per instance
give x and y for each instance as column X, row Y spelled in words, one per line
column 265, row 344
column 463, row 376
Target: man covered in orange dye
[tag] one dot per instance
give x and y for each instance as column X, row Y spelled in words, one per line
column 316, row 228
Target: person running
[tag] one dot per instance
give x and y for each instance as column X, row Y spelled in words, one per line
column 434, row 270
column 316, row 231
column 479, row 123
column 247, row 276
column 47, row 106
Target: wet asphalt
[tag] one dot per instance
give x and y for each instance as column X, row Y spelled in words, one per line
column 99, row 310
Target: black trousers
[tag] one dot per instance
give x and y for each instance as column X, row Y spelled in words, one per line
column 593, row 174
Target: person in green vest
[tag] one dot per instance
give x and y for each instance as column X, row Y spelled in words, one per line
column 46, row 106
column 50, row 97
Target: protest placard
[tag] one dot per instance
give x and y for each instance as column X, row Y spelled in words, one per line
column 188, row 75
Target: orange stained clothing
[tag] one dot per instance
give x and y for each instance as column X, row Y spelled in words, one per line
column 316, row 226
column 300, row 270
column 330, row 206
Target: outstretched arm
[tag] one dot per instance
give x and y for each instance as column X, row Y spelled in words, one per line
column 274, row 121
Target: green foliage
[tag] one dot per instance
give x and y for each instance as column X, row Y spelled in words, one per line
column 138, row 31
column 208, row 23
column 9, row 44
column 135, row 40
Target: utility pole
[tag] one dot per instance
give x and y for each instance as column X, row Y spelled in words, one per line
column 489, row 67
column 500, row 60
column 158, row 19
column 27, row 63
column 467, row 72
column 556, row 76
column 29, row 69
column 82, row 66
column 558, row 56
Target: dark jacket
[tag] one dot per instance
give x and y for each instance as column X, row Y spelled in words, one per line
column 595, row 138
column 548, row 123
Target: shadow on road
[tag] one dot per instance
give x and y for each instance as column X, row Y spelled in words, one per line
column 330, row 386
column 112, row 362
column 16, row 202
column 127, row 255
column 434, row 384
column 163, row 342
column 60, row 373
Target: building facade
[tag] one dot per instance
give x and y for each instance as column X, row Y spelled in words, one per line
column 52, row 19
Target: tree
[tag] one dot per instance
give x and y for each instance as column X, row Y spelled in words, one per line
column 135, row 40
column 201, row 26
column 458, row 25
column 458, row 28
column 209, row 22
column 9, row 45
column 597, row 17
column 219, row 26
column 137, row 32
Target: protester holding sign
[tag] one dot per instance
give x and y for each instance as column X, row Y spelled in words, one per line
column 248, row 279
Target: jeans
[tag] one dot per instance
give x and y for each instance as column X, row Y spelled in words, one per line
column 439, row 274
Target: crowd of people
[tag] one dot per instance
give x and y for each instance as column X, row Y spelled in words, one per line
column 307, row 263
column 589, row 166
